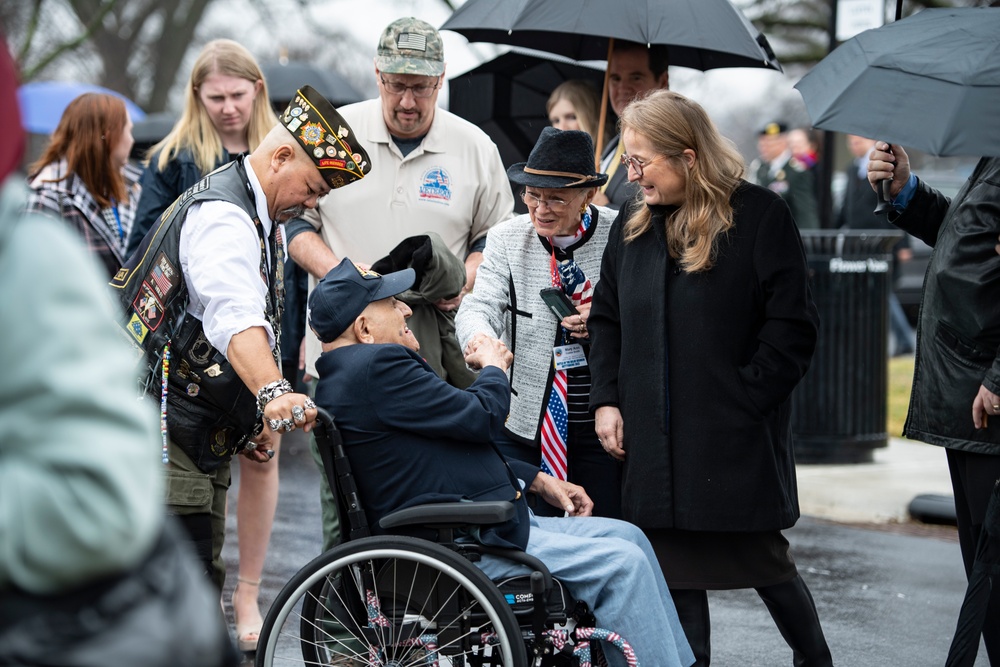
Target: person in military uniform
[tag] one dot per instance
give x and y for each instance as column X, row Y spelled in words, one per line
column 202, row 301
column 788, row 176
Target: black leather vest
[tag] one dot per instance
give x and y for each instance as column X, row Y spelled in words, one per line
column 210, row 412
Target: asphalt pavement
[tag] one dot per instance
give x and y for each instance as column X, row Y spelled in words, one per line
column 888, row 589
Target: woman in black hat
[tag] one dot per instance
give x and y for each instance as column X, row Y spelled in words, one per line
column 552, row 255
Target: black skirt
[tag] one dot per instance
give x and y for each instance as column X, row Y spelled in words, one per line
column 706, row 560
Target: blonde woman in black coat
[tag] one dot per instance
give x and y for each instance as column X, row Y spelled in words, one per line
column 702, row 324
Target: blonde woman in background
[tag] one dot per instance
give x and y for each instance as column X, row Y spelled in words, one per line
column 227, row 112
column 576, row 105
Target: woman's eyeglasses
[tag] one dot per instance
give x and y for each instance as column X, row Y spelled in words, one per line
column 635, row 163
column 554, row 203
column 422, row 90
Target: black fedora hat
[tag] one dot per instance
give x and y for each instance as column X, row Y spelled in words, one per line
column 560, row 159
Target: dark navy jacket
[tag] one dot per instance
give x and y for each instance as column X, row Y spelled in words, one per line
column 412, row 438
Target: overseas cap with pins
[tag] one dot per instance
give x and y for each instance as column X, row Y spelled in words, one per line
column 326, row 137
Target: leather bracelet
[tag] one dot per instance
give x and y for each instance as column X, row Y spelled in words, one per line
column 271, row 391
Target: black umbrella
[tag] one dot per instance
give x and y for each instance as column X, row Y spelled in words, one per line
column 506, row 97
column 284, row 79
column 702, row 34
column 984, row 577
column 930, row 81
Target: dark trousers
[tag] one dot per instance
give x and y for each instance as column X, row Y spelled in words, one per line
column 972, row 479
column 587, row 465
column 791, row 606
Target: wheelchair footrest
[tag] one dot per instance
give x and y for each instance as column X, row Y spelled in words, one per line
column 577, row 642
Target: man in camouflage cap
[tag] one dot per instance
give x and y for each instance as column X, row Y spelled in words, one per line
column 410, row 46
column 433, row 172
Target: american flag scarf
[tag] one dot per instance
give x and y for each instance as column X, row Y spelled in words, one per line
column 555, row 426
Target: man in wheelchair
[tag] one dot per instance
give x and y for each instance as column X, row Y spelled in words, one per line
column 413, row 439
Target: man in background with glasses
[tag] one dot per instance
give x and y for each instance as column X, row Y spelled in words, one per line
column 432, row 172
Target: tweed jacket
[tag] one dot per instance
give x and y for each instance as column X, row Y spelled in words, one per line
column 69, row 199
column 505, row 304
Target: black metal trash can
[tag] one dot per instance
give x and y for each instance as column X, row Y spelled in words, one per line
column 839, row 408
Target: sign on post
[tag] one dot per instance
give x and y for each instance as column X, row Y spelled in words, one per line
column 854, row 16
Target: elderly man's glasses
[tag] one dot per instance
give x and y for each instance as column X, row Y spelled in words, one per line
column 554, row 203
column 421, row 90
column 637, row 164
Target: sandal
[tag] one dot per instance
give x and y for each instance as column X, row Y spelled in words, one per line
column 247, row 634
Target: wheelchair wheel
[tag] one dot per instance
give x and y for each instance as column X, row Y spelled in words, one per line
column 391, row 602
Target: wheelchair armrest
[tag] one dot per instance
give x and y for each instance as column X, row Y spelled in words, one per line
column 484, row 513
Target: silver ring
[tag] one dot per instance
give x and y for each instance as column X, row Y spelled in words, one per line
column 309, row 403
column 298, row 414
column 250, row 446
column 288, row 424
column 996, row 407
column 275, row 424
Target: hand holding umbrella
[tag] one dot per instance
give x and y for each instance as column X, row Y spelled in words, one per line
column 888, row 172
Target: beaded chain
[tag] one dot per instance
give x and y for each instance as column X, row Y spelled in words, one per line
column 163, row 399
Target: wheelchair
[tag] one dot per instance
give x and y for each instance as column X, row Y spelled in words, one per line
column 399, row 600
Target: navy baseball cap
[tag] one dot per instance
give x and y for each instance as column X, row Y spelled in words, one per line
column 345, row 292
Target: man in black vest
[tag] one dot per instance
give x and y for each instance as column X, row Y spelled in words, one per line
column 203, row 300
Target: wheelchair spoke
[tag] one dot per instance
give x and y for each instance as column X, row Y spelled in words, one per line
column 391, row 602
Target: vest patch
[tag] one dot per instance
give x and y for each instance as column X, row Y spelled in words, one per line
column 148, row 307
column 163, row 277
column 137, row 328
column 435, row 186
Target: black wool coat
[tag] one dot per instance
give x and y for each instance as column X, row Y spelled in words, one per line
column 715, row 452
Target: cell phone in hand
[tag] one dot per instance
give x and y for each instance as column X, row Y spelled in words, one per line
column 558, row 302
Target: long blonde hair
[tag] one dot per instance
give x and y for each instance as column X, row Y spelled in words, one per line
column 672, row 123
column 586, row 102
column 194, row 131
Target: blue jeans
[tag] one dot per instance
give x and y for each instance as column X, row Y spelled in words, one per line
column 611, row 566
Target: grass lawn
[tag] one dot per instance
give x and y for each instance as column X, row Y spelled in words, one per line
column 900, row 376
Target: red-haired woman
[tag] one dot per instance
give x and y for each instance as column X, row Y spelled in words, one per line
column 84, row 176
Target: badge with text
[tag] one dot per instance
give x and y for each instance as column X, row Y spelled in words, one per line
column 568, row 356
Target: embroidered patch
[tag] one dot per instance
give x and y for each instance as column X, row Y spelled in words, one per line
column 163, row 277
column 148, row 307
column 435, row 186
column 218, row 442
column 137, row 328
column 312, row 134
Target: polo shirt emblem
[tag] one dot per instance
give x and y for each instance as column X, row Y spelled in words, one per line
column 435, row 186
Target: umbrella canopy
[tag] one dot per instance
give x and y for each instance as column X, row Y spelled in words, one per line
column 43, row 103
column 506, row 97
column 702, row 35
column 284, row 79
column 930, row 81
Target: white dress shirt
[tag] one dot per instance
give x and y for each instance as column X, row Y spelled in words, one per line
column 220, row 260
